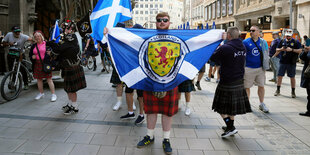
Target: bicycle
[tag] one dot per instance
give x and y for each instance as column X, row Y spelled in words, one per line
column 87, row 61
column 107, row 63
column 11, row 84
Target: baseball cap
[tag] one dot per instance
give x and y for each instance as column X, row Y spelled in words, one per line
column 16, row 29
column 275, row 32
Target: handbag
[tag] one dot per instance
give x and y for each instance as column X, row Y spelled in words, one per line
column 263, row 57
column 307, row 72
column 47, row 68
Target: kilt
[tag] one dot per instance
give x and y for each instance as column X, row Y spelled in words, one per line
column 38, row 72
column 168, row 105
column 186, row 86
column 115, row 78
column 74, row 79
column 231, row 99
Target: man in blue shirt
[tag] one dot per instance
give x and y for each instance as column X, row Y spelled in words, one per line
column 274, row 61
column 289, row 50
column 253, row 67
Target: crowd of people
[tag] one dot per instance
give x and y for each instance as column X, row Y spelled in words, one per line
column 240, row 65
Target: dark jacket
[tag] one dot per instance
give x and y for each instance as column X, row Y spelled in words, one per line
column 304, row 82
column 231, row 56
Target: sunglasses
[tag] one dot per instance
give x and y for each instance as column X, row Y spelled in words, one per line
column 165, row 20
column 252, row 30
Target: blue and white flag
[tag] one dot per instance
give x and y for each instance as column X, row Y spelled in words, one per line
column 159, row 60
column 213, row 25
column 56, row 32
column 108, row 13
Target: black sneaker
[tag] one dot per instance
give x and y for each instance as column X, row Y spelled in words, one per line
column 293, row 95
column 198, row 86
column 102, row 70
column 65, row 108
column 167, row 147
column 128, row 116
column 277, row 93
column 145, row 141
column 229, row 132
column 139, row 120
column 224, row 128
column 71, row 110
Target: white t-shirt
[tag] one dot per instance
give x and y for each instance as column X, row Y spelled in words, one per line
column 20, row 41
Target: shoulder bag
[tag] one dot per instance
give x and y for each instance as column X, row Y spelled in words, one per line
column 47, row 68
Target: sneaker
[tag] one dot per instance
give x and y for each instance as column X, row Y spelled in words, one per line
column 305, row 113
column 134, row 106
column 224, row 128
column 128, row 116
column 277, row 93
column 102, row 70
column 145, row 141
column 293, row 95
column 71, row 110
column 26, row 87
column 166, row 146
column 263, row 108
column 139, row 120
column 218, row 80
column 117, row 106
column 39, row 96
column 65, row 108
column 207, row 79
column 229, row 132
column 187, row 111
column 53, row 98
column 198, row 86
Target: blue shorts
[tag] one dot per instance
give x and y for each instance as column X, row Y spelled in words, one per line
column 289, row 68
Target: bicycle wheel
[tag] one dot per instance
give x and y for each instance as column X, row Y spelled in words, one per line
column 11, row 86
column 90, row 63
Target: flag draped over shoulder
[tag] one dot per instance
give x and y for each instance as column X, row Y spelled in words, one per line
column 108, row 13
column 159, row 60
column 56, row 32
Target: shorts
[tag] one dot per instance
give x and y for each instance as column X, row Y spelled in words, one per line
column 252, row 75
column 130, row 90
column 290, row 69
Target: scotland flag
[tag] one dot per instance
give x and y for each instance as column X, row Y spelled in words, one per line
column 56, row 33
column 108, row 13
column 159, row 60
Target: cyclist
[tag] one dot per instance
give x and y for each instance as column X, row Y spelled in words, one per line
column 91, row 50
column 9, row 40
column 103, row 48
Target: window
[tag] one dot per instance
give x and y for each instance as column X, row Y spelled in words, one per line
column 156, row 5
column 151, row 5
column 146, row 6
column 151, row 12
column 141, row 5
column 141, row 18
column 137, row 12
column 137, row 18
column 161, row 5
column 141, row 12
column 146, row 12
column 137, row 6
column 156, row 12
column 146, row 18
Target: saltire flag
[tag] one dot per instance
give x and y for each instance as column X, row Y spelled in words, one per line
column 159, row 60
column 107, row 13
column 84, row 26
column 56, row 33
column 213, row 25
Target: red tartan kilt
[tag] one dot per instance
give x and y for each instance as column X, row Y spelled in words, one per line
column 38, row 72
column 168, row 105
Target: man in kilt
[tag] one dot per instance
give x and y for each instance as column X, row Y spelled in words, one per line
column 165, row 103
column 230, row 97
column 74, row 79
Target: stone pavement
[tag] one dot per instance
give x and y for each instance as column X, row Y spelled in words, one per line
column 39, row 127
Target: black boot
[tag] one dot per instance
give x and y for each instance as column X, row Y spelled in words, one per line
column 95, row 65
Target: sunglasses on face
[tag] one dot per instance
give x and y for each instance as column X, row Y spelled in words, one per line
column 165, row 20
column 252, row 30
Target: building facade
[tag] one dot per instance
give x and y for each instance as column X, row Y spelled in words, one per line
column 145, row 11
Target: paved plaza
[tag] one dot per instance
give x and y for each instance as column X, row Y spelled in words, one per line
column 39, row 127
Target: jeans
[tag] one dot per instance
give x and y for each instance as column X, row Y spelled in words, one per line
column 275, row 63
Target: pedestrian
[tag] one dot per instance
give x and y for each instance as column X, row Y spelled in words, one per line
column 254, row 72
column 274, row 61
column 305, row 81
column 165, row 103
column 289, row 49
column 16, row 38
column 186, row 87
column 72, row 71
column 230, row 97
column 115, row 80
column 306, row 40
column 212, row 70
column 200, row 75
column 38, row 55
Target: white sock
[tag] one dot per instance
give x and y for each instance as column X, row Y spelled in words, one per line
column 130, row 112
column 166, row 134
column 150, row 132
column 69, row 103
column 119, row 99
column 142, row 115
column 74, row 104
column 187, row 103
